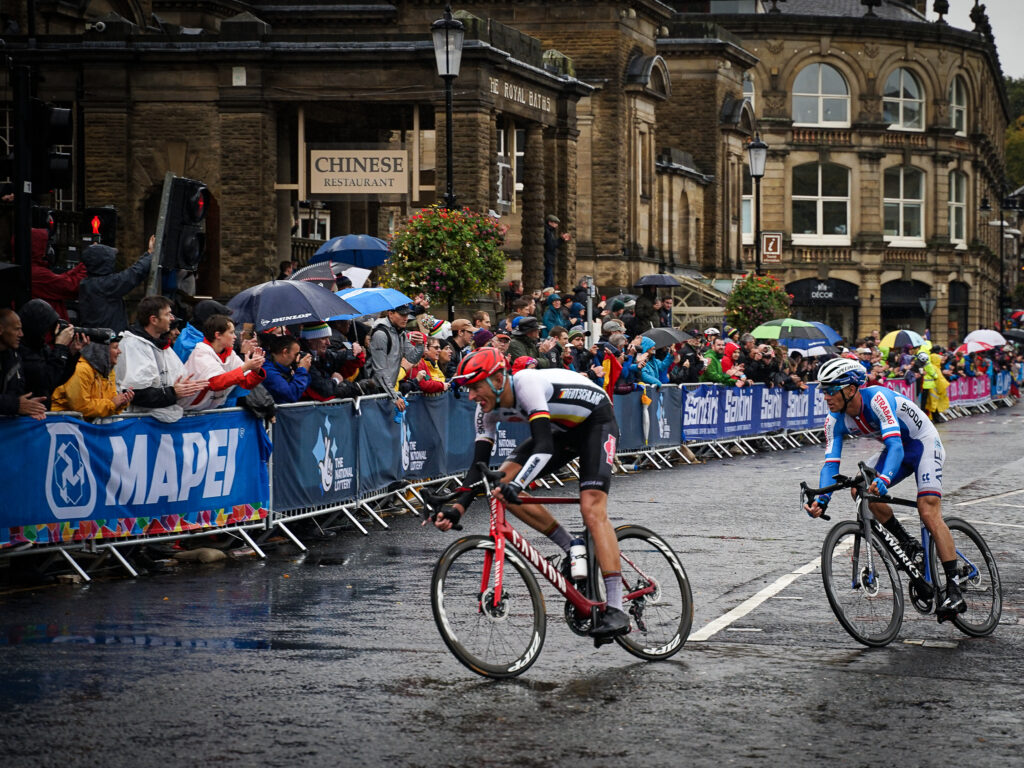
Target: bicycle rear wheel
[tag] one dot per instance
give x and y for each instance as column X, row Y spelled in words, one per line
column 978, row 577
column 866, row 599
column 493, row 640
column 660, row 620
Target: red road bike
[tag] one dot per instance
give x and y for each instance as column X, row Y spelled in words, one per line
column 492, row 616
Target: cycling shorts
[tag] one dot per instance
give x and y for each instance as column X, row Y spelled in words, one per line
column 593, row 441
column 921, row 458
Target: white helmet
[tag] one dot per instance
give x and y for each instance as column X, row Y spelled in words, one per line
column 840, row 372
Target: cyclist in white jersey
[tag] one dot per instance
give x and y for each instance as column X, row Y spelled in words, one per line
column 569, row 417
column 911, row 446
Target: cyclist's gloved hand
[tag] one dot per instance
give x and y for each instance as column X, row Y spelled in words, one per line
column 822, row 502
column 880, row 485
column 451, row 514
column 510, row 492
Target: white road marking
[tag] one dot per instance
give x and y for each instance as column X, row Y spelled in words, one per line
column 751, row 603
column 1000, row 525
column 983, row 499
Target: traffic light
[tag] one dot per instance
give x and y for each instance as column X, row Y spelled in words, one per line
column 100, row 225
column 51, row 129
column 184, row 240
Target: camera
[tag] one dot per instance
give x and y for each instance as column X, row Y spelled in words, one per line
column 99, row 335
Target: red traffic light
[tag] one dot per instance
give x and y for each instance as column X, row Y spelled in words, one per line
column 96, row 222
column 195, row 202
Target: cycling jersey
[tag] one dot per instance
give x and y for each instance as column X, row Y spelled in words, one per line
column 569, row 416
column 912, row 444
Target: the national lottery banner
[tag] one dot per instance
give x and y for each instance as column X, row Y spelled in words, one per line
column 425, row 437
column 381, row 432
column 72, row 480
column 315, row 455
column 701, row 413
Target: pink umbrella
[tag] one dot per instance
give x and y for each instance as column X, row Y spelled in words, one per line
column 971, row 347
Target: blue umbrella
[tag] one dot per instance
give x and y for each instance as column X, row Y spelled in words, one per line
column 286, row 302
column 363, row 251
column 831, row 338
column 370, row 301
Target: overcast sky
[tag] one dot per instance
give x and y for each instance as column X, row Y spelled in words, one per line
column 1007, row 17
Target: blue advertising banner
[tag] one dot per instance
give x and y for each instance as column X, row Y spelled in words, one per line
column 798, row 410
column 772, row 408
column 510, row 435
column 739, row 415
column 629, row 416
column 1002, row 388
column 819, row 408
column 315, row 457
column 380, row 439
column 700, row 413
column 424, row 442
column 664, row 416
column 460, row 433
column 138, row 467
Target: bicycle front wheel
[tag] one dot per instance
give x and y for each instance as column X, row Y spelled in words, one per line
column 978, row 578
column 494, row 638
column 655, row 594
column 865, row 595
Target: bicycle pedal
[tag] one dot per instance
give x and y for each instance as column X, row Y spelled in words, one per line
column 599, row 641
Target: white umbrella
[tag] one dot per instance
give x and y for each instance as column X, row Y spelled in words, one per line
column 986, row 336
column 819, row 350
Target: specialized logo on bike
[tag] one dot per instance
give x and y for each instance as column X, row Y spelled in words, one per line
column 609, row 450
column 333, row 472
column 70, row 483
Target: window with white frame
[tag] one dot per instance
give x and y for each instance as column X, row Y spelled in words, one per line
column 505, row 192
column 821, row 203
column 747, row 207
column 958, row 208
column 748, row 89
column 903, row 101
column 904, row 204
column 958, row 105
column 821, row 97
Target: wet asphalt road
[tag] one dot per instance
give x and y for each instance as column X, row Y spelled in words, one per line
column 332, row 657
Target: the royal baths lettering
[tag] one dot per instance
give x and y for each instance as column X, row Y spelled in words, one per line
column 520, row 94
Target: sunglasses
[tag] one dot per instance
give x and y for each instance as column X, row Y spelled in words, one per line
column 834, row 389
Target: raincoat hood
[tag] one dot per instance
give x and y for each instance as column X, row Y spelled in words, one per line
column 40, row 237
column 99, row 260
column 37, row 320
column 646, row 344
column 98, row 356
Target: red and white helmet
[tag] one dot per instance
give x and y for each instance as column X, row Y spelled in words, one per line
column 479, row 365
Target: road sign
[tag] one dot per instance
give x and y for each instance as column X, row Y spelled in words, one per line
column 771, row 247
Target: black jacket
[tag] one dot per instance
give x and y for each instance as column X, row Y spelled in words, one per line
column 45, row 366
column 12, row 382
column 101, row 293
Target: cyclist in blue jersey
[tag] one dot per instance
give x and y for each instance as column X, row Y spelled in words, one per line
column 569, row 417
column 911, row 446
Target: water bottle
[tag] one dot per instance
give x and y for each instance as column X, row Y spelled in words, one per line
column 578, row 559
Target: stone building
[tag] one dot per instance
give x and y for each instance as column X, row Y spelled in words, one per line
column 627, row 119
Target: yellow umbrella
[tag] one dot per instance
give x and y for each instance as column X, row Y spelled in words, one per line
column 900, row 338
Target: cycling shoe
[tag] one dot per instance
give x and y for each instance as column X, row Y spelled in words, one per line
column 953, row 604
column 610, row 624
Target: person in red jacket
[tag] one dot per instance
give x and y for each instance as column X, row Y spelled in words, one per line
column 53, row 288
column 428, row 373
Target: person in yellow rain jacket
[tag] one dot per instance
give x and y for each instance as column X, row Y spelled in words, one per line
column 936, row 397
column 91, row 390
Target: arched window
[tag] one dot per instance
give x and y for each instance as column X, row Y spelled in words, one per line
column 958, row 208
column 904, row 204
column 903, row 101
column 821, row 97
column 821, row 203
column 748, row 89
column 958, row 105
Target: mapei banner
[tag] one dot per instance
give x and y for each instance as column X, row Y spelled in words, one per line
column 134, row 468
column 314, row 455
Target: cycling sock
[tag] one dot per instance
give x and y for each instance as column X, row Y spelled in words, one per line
column 561, row 537
column 893, row 526
column 613, row 589
column 949, row 566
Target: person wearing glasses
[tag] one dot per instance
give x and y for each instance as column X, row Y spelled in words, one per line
column 911, row 446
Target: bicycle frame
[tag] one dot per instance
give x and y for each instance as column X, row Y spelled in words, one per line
column 501, row 531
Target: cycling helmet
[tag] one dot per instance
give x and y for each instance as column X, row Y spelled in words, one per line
column 923, row 357
column 841, row 372
column 479, row 365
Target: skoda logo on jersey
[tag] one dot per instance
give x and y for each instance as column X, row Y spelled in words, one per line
column 70, row 483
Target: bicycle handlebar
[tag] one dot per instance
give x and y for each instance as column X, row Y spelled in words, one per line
column 434, row 501
column 865, row 475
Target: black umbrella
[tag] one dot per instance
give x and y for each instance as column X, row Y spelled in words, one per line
column 287, row 302
column 1016, row 334
column 666, row 337
column 658, row 280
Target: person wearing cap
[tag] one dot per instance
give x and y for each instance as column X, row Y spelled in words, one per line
column 551, row 243
column 482, row 338
column 389, row 346
column 610, row 327
column 581, row 356
column 687, row 363
column 864, row 357
column 461, row 343
column 92, row 388
column 326, row 381
column 501, row 342
column 526, row 342
column 192, row 334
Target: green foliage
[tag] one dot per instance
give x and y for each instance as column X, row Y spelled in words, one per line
column 1015, row 153
column 756, row 300
column 1015, row 95
column 450, row 255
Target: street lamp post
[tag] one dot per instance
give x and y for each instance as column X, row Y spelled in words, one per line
column 757, row 155
column 448, row 34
